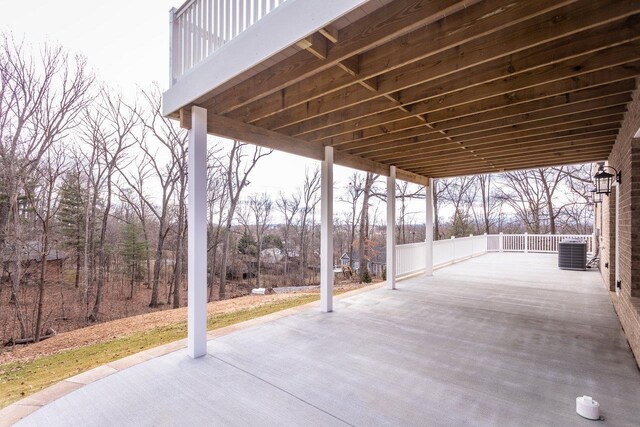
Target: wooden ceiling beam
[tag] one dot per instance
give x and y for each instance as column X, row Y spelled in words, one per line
column 342, row 132
column 506, row 150
column 227, row 128
column 575, row 121
column 381, row 26
column 368, row 146
column 409, row 128
column 476, row 169
column 477, row 19
column 491, row 63
column 534, row 137
column 316, row 44
column 500, row 164
column 455, row 92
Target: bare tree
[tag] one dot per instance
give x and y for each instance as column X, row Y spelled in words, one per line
column 439, row 189
column 406, row 192
column 364, row 226
column 354, row 191
column 309, row 199
column 522, row 192
column 238, row 169
column 289, row 207
column 490, row 205
column 461, row 194
column 164, row 169
column 41, row 97
column 217, row 203
column 260, row 206
column 111, row 127
column 550, row 178
column 43, row 200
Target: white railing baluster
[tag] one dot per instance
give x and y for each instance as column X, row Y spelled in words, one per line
column 544, row 243
column 200, row 27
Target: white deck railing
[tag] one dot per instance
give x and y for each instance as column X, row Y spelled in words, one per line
column 200, row 27
column 545, row 243
column 411, row 258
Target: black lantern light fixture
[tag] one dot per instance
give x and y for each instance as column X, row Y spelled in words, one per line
column 603, row 180
column 596, row 197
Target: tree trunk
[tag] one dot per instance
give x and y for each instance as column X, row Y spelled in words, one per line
column 101, row 255
column 41, row 287
column 364, row 227
column 157, row 265
column 223, row 262
column 78, row 265
column 177, row 273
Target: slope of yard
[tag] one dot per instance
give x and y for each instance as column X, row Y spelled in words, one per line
column 29, row 369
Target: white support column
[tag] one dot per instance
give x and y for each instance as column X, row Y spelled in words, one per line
column 526, row 242
column 391, row 228
column 429, row 229
column 197, row 233
column 326, row 232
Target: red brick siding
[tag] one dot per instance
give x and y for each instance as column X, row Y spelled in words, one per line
column 625, row 157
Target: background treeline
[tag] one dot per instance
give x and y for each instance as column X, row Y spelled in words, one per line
column 93, row 188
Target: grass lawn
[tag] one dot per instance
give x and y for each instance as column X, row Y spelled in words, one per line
column 18, row 380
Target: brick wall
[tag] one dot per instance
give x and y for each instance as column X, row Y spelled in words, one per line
column 625, row 157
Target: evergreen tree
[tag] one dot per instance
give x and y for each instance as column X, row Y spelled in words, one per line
column 247, row 245
column 71, row 217
column 133, row 250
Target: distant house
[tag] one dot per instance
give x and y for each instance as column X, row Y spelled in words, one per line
column 271, row 255
column 376, row 265
column 32, row 260
column 344, row 260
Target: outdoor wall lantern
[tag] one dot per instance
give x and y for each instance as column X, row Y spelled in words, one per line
column 596, row 197
column 603, row 180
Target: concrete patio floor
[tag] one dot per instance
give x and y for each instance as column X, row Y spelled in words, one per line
column 502, row 339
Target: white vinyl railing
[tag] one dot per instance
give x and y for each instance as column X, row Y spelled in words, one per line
column 544, row 243
column 200, row 27
column 452, row 250
column 411, row 258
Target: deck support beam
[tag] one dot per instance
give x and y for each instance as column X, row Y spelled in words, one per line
column 391, row 228
column 197, row 234
column 429, row 229
column 326, row 232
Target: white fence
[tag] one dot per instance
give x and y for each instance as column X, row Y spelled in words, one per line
column 411, row 258
column 545, row 243
column 200, row 27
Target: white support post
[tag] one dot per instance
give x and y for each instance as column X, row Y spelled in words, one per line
column 429, row 230
column 501, row 242
column 326, row 232
column 391, row 228
column 526, row 242
column 197, row 233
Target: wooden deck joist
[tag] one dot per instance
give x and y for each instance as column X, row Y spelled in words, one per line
column 445, row 87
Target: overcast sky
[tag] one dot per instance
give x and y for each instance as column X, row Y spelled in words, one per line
column 126, row 43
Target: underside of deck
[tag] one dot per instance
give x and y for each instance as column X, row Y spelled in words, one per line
column 502, row 339
column 441, row 88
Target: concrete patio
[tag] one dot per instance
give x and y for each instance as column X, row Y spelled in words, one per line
column 502, row 339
